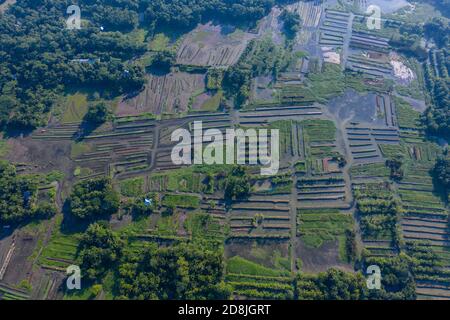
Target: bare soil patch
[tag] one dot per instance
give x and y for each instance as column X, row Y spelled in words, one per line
column 316, row 260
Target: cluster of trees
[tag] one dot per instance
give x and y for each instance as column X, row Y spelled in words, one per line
column 183, row 271
column 18, row 197
column 438, row 30
column 261, row 57
column 409, row 38
column 292, row 22
column 93, row 198
column 163, row 61
column 40, row 57
column 122, row 16
column 437, row 115
column 237, row 184
column 100, row 248
column 98, row 113
column 441, row 5
column 186, row 14
column 138, row 207
column 397, row 282
column 441, row 173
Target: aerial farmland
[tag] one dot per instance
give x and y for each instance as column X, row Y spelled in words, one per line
column 362, row 116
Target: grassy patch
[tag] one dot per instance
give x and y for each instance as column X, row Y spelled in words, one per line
column 181, row 200
column 3, row 148
column 77, row 149
column 213, row 103
column 239, row 265
column 159, row 43
column 407, row 116
column 132, row 187
column 326, row 225
column 76, row 106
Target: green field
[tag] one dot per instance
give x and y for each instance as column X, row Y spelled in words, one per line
column 182, row 201
column 319, row 226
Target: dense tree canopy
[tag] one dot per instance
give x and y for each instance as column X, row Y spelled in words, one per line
column 438, row 114
column 99, row 249
column 93, row 198
column 177, row 272
column 98, row 113
column 237, row 184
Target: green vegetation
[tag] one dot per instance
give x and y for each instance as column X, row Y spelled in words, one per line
column 291, row 22
column 322, row 85
column 395, row 165
column 29, row 96
column 160, row 42
column 75, row 107
column 99, row 249
column 397, row 282
column 202, row 226
column 213, row 103
column 436, row 82
column 332, row 285
column 132, row 187
column 319, row 226
column 176, row 272
column 181, row 200
column 237, row 184
column 214, row 78
column 181, row 14
column 256, row 281
column 61, row 250
column 239, row 265
column 143, row 228
column 260, row 58
column 98, row 113
column 378, row 211
column 163, row 60
column 407, row 117
column 19, row 197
